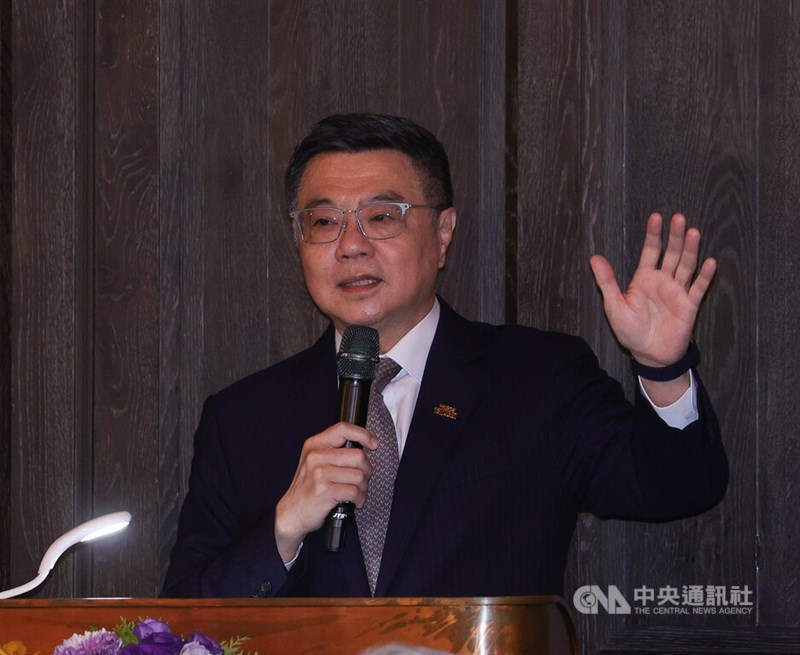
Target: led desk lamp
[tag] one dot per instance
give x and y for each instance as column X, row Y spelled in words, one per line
column 94, row 529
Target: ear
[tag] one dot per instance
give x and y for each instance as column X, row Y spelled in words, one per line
column 446, row 226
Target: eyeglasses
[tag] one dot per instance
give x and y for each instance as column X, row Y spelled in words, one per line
column 375, row 220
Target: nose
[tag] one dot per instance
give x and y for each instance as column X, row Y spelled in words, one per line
column 352, row 242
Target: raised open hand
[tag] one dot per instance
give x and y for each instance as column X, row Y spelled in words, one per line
column 655, row 317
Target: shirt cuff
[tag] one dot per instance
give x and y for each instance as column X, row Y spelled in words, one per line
column 291, row 562
column 683, row 411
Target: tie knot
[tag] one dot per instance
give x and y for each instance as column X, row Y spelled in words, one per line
column 387, row 369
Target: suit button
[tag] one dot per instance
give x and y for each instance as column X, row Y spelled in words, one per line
column 264, row 589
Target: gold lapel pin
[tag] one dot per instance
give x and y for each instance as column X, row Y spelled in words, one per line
column 446, row 411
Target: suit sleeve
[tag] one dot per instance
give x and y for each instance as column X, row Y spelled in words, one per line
column 623, row 461
column 215, row 554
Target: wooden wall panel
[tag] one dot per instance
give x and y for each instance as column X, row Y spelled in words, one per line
column 691, row 147
column 599, row 553
column 126, row 302
column 175, row 202
column 777, row 304
column 44, row 456
column 6, row 162
column 547, row 114
column 490, row 213
column 603, row 171
column 84, row 262
column 230, row 234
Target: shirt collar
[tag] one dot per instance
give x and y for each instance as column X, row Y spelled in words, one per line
column 411, row 352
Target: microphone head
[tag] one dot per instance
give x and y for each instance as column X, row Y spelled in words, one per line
column 359, row 353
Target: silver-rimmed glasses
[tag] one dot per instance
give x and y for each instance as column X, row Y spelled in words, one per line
column 375, row 220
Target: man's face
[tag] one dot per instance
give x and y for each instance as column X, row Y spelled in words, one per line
column 385, row 284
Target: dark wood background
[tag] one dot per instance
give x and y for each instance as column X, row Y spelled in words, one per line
column 145, row 258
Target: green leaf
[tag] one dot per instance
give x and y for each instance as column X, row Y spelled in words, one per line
column 124, row 631
column 233, row 646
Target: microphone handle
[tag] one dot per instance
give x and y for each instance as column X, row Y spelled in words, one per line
column 353, row 405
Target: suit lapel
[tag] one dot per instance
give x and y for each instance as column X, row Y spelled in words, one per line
column 452, row 385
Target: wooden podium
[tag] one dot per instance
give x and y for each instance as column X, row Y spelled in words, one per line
column 485, row 626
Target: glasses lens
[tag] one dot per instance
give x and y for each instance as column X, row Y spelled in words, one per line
column 320, row 225
column 381, row 221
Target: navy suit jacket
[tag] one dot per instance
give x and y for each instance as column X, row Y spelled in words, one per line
column 485, row 501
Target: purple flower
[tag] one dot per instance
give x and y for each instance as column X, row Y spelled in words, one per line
column 158, row 643
column 149, row 627
column 96, row 642
column 145, row 649
column 155, row 638
column 206, row 642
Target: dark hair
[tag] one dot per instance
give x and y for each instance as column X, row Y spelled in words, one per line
column 351, row 133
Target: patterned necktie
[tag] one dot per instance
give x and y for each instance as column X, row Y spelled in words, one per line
column 373, row 518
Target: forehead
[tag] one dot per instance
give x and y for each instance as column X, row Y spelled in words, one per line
column 358, row 177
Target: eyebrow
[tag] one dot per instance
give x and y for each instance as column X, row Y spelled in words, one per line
column 384, row 196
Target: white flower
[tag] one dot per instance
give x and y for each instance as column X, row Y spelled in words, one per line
column 194, row 648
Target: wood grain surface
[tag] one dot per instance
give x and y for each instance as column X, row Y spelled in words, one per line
column 777, row 307
column 126, row 301
column 6, row 164
column 600, row 552
column 45, row 474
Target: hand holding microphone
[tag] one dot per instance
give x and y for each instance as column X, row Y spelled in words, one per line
column 328, row 472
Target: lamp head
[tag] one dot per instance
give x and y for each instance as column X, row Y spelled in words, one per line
column 92, row 529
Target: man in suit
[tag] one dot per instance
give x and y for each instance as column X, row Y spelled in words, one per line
column 514, row 430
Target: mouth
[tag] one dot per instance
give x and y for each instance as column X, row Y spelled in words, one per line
column 364, row 281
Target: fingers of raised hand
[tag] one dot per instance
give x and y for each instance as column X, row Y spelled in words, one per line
column 651, row 250
column 688, row 261
column 702, row 281
column 675, row 244
column 681, row 255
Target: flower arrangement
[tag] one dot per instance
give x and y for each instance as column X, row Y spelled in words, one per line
column 147, row 637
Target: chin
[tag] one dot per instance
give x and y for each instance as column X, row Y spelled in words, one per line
column 343, row 319
column 361, row 313
column 367, row 320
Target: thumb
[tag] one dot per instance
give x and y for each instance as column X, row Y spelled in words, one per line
column 605, row 279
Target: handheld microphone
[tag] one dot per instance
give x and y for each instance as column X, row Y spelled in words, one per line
column 356, row 364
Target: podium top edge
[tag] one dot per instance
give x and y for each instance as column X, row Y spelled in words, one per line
column 282, row 602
